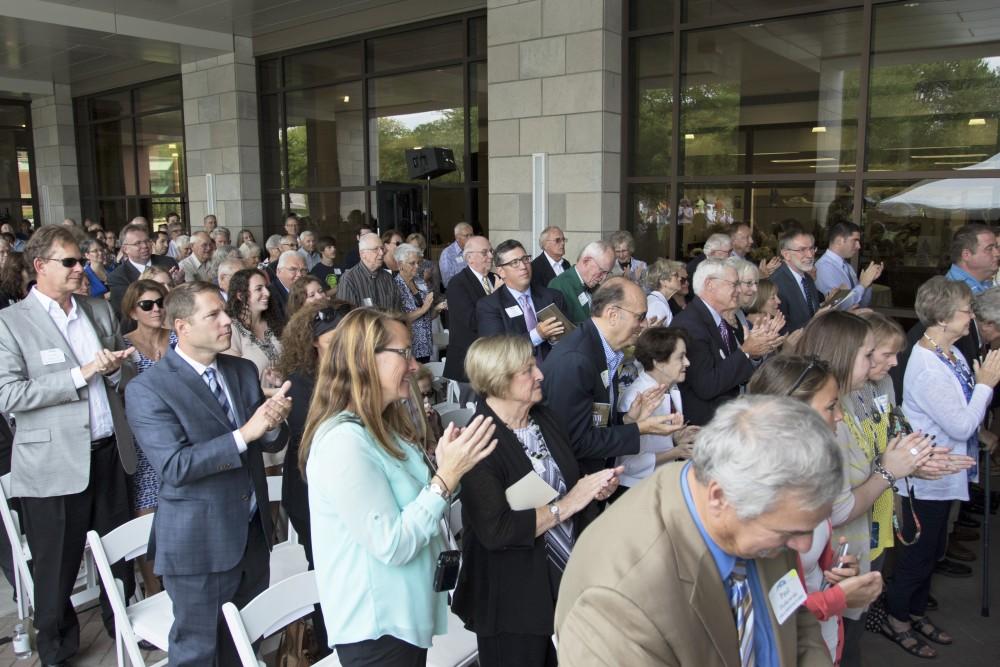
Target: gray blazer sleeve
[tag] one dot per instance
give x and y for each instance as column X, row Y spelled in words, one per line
column 20, row 393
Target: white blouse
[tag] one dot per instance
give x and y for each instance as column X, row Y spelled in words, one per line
column 657, row 306
column 640, row 466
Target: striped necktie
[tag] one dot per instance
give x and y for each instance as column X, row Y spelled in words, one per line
column 742, row 604
column 487, row 285
column 211, row 379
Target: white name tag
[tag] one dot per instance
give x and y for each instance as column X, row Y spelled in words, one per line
column 52, row 356
column 604, row 378
column 786, row 596
column 882, row 403
column 584, row 298
column 460, row 260
column 514, row 311
column 337, row 272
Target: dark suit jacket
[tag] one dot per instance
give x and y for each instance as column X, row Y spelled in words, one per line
column 279, row 295
column 712, row 379
column 126, row 274
column 201, row 522
column 793, row 303
column 506, row 583
column 294, row 492
column 572, row 385
column 542, row 273
column 464, row 291
column 491, row 313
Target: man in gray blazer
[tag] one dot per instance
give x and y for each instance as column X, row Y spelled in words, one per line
column 202, row 421
column 62, row 366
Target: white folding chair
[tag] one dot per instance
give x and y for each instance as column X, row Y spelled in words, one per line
column 455, row 517
column 274, row 495
column 435, row 367
column 282, row 603
column 458, row 648
column 461, row 416
column 149, row 619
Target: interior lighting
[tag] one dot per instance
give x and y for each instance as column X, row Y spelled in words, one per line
column 819, row 129
column 173, row 155
column 347, row 98
column 973, row 122
column 807, row 159
column 689, row 137
column 171, row 146
column 946, row 157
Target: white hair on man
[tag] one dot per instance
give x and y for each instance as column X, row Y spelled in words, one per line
column 746, row 270
column 595, row 249
column 717, row 242
column 463, row 227
column 182, row 242
column 544, row 236
column 306, row 234
column 759, row 449
column 286, row 257
column 228, row 267
column 708, row 269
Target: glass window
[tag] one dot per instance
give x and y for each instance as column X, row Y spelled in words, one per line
column 645, row 14
column 935, row 86
column 329, row 212
column 704, row 10
column 111, row 105
column 270, row 74
column 114, row 157
column 478, row 133
column 160, row 149
column 909, row 226
column 13, row 115
column 477, row 36
column 772, row 97
column 416, row 109
column 705, row 209
column 416, row 47
column 312, row 67
column 272, row 175
column 325, row 136
column 159, row 96
column 111, row 213
column 651, row 119
column 649, row 217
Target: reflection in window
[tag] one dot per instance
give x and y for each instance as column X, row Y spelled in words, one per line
column 652, row 105
column 701, row 10
column 649, row 218
column 114, row 155
column 418, row 109
column 416, row 47
column 935, row 86
column 161, row 153
column 773, row 97
column 325, row 137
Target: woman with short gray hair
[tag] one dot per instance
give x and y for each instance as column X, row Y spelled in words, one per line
column 664, row 279
column 987, row 307
column 626, row 265
column 417, row 300
column 748, row 276
column 183, row 245
column 947, row 400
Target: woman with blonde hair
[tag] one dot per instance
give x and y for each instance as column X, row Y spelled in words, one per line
column 376, row 516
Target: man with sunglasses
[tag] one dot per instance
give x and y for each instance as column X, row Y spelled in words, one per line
column 466, row 288
column 138, row 250
column 593, row 266
column 62, row 367
column 514, row 307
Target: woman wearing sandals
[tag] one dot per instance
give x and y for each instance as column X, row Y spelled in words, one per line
column 943, row 397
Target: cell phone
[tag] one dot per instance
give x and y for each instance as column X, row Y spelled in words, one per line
column 446, row 572
column 839, row 560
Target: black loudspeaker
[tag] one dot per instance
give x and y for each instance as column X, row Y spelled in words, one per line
column 429, row 162
column 399, row 207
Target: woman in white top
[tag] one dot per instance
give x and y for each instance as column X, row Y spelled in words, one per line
column 662, row 352
column 946, row 399
column 664, row 279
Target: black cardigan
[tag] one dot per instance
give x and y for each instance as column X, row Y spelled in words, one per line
column 506, row 585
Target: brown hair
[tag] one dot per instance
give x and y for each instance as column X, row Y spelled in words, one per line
column 136, row 290
column 657, row 344
column 181, row 301
column 348, row 380
column 835, row 337
column 885, row 329
column 297, row 295
column 791, row 375
column 41, row 242
column 11, row 276
column 298, row 352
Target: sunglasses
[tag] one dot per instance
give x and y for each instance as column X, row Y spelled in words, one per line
column 147, row 304
column 68, row 262
column 813, row 363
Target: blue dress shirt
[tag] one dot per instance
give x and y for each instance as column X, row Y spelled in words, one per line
column 960, row 275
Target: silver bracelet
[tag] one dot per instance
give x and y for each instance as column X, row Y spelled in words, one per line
column 886, row 475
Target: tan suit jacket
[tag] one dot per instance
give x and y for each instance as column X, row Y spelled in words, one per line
column 642, row 588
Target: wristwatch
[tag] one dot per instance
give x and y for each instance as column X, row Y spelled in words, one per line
column 439, row 490
column 555, row 512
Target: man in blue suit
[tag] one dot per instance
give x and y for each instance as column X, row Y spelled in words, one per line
column 202, row 421
column 513, row 308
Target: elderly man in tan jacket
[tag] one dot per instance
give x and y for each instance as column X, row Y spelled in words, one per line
column 695, row 566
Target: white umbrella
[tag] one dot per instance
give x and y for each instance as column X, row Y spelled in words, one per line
column 979, row 195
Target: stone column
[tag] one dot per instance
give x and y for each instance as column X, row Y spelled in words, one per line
column 221, row 139
column 555, row 87
column 55, row 156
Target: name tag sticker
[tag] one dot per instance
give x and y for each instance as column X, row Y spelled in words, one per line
column 337, row 272
column 584, row 298
column 882, row 403
column 460, row 260
column 604, row 378
column 722, row 353
column 52, row 356
column 786, row 596
column 514, row 311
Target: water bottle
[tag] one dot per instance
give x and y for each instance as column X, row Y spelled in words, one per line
column 22, row 643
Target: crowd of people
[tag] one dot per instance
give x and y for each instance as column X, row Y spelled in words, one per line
column 714, row 463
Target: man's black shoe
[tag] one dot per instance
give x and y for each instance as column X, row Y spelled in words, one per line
column 931, row 602
column 950, row 568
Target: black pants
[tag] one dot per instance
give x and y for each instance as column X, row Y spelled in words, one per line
column 853, row 632
column 386, row 651
column 911, row 582
column 56, row 528
column 301, row 526
column 516, row 650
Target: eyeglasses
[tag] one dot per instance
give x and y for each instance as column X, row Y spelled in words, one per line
column 378, row 249
column 405, row 352
column 290, row 246
column 811, row 248
column 734, row 283
column 748, row 283
column 67, row 262
column 813, row 363
column 484, row 253
column 139, row 244
column 641, row 317
column 561, row 239
column 147, row 304
column 517, row 262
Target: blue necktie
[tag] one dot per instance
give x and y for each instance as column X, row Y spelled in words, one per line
column 220, row 395
column 850, row 274
column 741, row 602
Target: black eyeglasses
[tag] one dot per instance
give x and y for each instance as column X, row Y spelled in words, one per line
column 641, row 317
column 524, row 260
column 147, row 304
column 814, row 362
column 68, row 262
column 405, row 352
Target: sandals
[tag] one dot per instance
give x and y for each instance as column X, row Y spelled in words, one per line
column 918, row 647
column 924, row 626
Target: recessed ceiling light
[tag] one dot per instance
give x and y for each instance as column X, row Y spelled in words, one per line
column 911, row 4
column 689, row 137
column 819, row 129
column 977, row 121
column 347, row 98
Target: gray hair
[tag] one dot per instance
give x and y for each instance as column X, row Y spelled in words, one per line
column 620, row 237
column 660, row 270
column 224, row 252
column 273, row 241
column 228, row 267
column 220, row 231
column 368, row 236
column 740, row 451
column 743, row 267
column 709, row 268
column 717, row 242
column 939, row 298
column 595, row 249
column 463, row 225
column 85, row 246
column 987, row 305
column 250, row 251
column 404, row 250
column 287, row 255
column 182, row 242
column 305, row 234
column 544, row 236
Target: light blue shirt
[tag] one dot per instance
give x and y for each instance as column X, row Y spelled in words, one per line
column 536, row 338
column 377, row 534
column 959, row 274
column 451, row 263
column 614, row 360
column 764, row 645
column 833, row 271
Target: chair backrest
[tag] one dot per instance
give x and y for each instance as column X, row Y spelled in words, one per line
column 281, row 604
column 455, row 517
column 128, row 540
column 13, row 529
column 274, row 488
column 460, row 416
column 435, row 367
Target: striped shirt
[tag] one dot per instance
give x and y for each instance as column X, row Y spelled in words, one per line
column 358, row 284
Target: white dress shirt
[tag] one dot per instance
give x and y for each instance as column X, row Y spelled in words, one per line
column 82, row 338
column 200, row 368
column 640, row 466
column 556, row 264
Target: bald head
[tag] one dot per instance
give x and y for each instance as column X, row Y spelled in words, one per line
column 619, row 311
